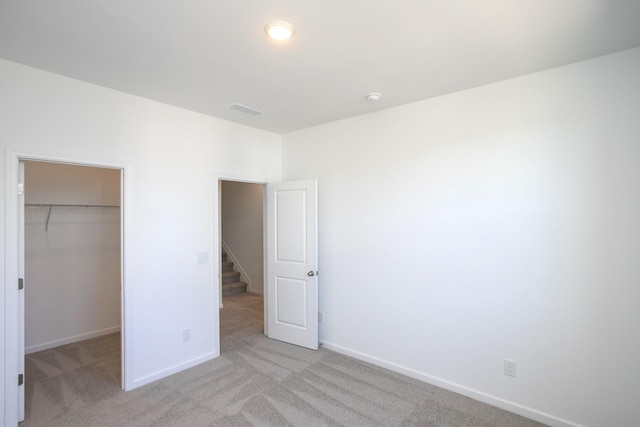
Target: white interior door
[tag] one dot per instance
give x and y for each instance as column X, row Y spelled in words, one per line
column 21, row 319
column 292, row 262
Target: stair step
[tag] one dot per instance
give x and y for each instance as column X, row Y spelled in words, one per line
column 231, row 284
column 233, row 288
column 227, row 266
column 230, row 276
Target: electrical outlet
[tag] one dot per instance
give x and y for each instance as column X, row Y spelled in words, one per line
column 320, row 317
column 509, row 368
column 186, row 335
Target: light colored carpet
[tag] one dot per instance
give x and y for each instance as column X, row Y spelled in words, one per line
column 255, row 382
column 242, row 316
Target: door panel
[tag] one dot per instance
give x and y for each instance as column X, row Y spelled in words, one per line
column 292, row 262
column 291, row 302
column 290, row 228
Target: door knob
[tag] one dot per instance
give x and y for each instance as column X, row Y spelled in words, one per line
column 311, row 273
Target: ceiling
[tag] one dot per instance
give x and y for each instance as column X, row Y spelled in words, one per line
column 204, row 55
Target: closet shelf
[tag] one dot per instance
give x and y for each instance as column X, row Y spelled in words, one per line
column 58, row 205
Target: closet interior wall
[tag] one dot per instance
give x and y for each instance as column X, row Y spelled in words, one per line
column 72, row 253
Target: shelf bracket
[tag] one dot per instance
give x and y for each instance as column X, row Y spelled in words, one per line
column 46, row 226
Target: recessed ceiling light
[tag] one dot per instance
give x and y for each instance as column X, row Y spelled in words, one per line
column 279, row 30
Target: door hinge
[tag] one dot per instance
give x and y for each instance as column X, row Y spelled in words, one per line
column 20, row 284
column 20, row 189
column 20, row 379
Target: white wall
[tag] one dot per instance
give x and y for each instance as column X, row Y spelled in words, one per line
column 499, row 222
column 242, row 228
column 72, row 264
column 173, row 156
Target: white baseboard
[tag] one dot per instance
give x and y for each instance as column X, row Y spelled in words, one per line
column 250, row 291
column 69, row 340
column 139, row 382
column 457, row 388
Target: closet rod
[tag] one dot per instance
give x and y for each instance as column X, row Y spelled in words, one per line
column 53, row 205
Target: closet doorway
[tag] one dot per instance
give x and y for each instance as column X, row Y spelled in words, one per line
column 73, row 275
column 241, row 233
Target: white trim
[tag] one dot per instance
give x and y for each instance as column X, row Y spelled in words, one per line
column 11, row 294
column 221, row 176
column 244, row 277
column 139, row 382
column 70, row 340
column 11, row 342
column 498, row 402
column 126, row 282
column 217, row 256
column 265, row 263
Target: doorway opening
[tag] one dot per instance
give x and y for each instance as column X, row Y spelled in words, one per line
column 71, row 259
column 289, row 261
column 241, row 232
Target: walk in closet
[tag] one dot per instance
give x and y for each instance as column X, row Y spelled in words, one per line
column 72, row 253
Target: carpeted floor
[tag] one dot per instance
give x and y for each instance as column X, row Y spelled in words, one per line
column 242, row 316
column 255, row 382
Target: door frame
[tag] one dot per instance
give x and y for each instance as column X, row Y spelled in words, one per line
column 218, row 178
column 13, row 157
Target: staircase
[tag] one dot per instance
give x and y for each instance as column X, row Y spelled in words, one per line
column 231, row 284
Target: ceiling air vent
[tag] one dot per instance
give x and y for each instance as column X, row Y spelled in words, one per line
column 245, row 110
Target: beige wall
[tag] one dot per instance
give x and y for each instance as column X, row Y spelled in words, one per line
column 70, row 184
